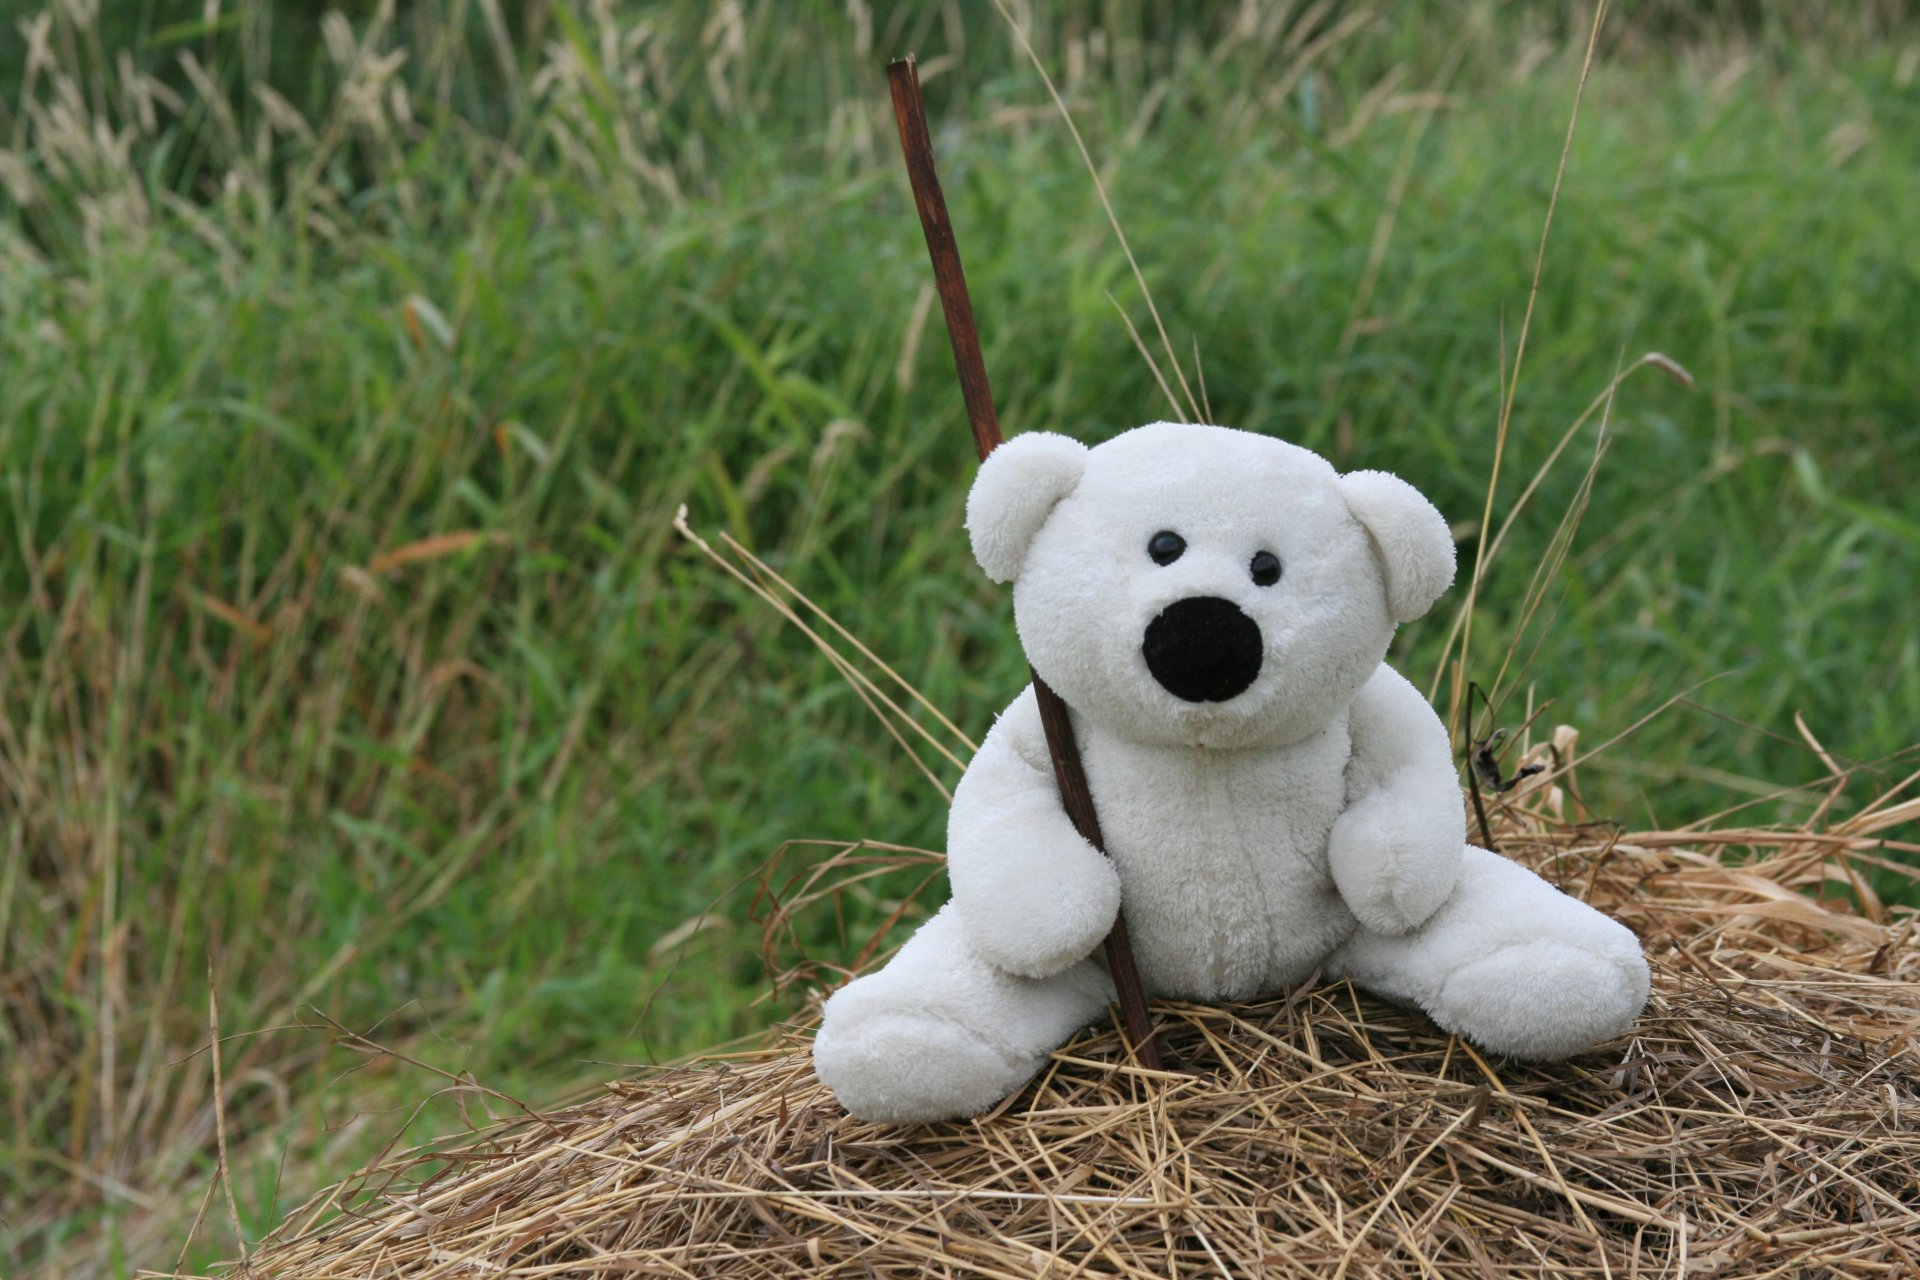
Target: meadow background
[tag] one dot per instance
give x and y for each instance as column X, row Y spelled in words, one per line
column 355, row 358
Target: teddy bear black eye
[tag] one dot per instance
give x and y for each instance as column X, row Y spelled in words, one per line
column 1166, row 546
column 1265, row 568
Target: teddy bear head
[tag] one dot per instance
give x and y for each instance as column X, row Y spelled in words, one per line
column 1203, row 586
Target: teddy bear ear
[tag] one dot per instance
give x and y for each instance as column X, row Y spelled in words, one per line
column 1409, row 535
column 1017, row 488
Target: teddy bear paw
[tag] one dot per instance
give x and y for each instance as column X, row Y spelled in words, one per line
column 1544, row 1000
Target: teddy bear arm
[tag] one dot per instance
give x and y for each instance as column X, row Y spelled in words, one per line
column 1033, row 896
column 1395, row 853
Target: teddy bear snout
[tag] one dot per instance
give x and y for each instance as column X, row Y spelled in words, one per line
column 1203, row 649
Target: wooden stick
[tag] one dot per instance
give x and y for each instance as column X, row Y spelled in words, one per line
column 910, row 113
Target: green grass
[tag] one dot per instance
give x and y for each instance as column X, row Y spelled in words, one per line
column 541, row 293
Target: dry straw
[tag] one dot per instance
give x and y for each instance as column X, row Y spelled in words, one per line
column 1760, row 1120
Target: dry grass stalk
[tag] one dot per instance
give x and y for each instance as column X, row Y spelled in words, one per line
column 1760, row 1120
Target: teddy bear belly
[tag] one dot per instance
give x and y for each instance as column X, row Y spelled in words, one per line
column 1263, row 934
column 1223, row 864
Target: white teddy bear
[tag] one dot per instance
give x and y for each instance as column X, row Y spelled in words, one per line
column 1213, row 606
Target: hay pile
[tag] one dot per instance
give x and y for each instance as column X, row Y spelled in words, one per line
column 1763, row 1118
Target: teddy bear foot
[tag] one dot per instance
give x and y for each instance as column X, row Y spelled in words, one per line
column 940, row 1033
column 1510, row 963
column 1542, row 1000
column 902, row 1069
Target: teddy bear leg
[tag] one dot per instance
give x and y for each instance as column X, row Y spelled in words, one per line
column 1510, row 963
column 940, row 1033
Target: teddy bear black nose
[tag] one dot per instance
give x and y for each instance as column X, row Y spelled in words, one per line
column 1203, row 649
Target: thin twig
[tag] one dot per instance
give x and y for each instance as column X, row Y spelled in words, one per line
column 1100, row 189
column 1520, row 346
column 1473, row 782
column 220, row 1117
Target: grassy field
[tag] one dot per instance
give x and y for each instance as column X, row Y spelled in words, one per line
column 353, row 367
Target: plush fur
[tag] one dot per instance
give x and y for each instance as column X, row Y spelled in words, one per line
column 1268, row 812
